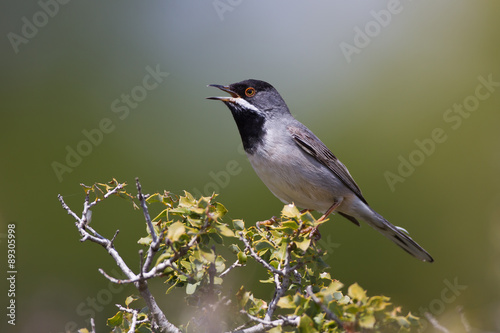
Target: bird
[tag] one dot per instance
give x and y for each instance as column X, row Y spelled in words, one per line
column 296, row 165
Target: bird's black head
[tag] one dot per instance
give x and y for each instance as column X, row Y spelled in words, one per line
column 252, row 96
column 252, row 103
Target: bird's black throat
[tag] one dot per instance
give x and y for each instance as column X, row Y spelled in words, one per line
column 251, row 127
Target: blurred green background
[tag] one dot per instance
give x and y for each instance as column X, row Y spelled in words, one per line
column 67, row 67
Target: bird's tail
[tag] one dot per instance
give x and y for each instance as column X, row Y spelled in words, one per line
column 396, row 234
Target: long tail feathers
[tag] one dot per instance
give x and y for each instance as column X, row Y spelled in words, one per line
column 398, row 236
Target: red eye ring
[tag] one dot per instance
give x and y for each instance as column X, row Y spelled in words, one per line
column 250, row 91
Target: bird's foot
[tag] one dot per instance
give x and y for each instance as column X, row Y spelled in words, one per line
column 266, row 223
column 314, row 233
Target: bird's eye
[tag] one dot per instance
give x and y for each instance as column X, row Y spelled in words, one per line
column 249, row 92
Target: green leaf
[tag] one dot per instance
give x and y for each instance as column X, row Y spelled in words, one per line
column 290, row 211
column 242, row 258
column 116, row 320
column 220, row 210
column 207, row 254
column 367, row 321
column 145, row 240
column 191, row 288
column 234, row 248
column 98, row 192
column 224, row 230
column 187, row 200
column 292, row 225
column 163, row 256
column 344, row 300
column 414, row 320
column 356, row 292
column 175, row 231
column 268, row 280
column 286, row 302
column 306, row 325
column 130, row 299
column 378, row 303
column 402, row 321
column 216, row 237
column 263, row 244
column 332, row 288
column 239, row 225
column 303, row 244
column 164, row 213
column 180, row 211
column 280, row 253
column 154, row 198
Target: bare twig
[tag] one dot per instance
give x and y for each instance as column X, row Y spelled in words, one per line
column 92, row 325
column 281, row 286
column 113, row 239
column 435, row 323
column 230, row 268
column 266, row 324
column 144, row 207
column 256, row 257
column 66, row 208
column 158, row 322
column 464, row 320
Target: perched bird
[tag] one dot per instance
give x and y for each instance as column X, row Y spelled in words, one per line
column 296, row 166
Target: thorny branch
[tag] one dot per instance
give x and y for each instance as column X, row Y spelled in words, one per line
column 284, row 272
column 255, row 256
column 282, row 279
column 160, row 322
column 134, row 313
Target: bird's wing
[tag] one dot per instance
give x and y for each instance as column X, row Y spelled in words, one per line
column 306, row 140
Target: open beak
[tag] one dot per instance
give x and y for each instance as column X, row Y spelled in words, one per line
column 226, row 89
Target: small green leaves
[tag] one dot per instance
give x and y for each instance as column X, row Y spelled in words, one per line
column 357, row 293
column 190, row 252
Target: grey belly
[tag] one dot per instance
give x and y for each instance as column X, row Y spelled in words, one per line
column 299, row 179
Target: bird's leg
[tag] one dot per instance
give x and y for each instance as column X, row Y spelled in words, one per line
column 315, row 232
column 330, row 210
